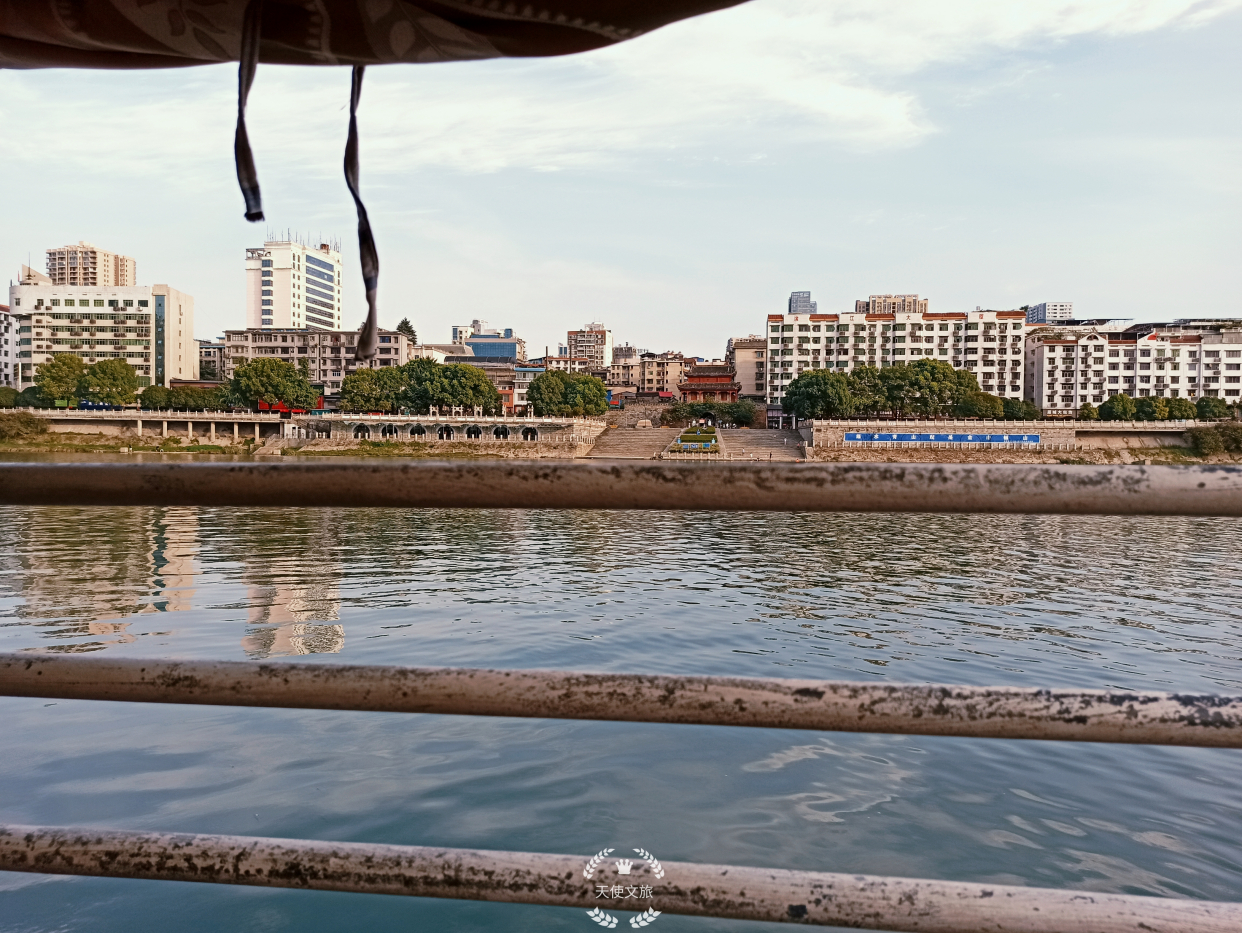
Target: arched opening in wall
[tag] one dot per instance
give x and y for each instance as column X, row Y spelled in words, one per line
column 474, row 432
column 501, row 433
column 388, row 430
column 418, row 431
column 530, row 434
column 445, row 432
column 362, row 431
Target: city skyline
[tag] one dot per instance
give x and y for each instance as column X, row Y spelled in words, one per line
column 980, row 157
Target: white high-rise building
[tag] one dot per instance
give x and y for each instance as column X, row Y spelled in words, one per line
column 593, row 342
column 292, row 285
column 151, row 327
column 986, row 343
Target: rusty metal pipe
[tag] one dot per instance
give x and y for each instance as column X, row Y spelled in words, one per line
column 828, row 487
column 908, row 709
column 728, row 891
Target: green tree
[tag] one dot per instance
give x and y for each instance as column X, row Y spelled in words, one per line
column 60, row 377
column 15, row 424
column 1151, row 409
column 207, row 370
column 271, row 380
column 980, row 405
column 1210, row 409
column 374, row 389
column 407, row 329
column 1117, row 408
column 867, row 387
column 8, row 397
column 1231, row 434
column 1205, row 441
column 560, row 393
column 112, row 382
column 1088, row 412
column 453, row 384
column 1181, row 409
column 928, row 388
column 1018, row 410
column 819, row 393
column 155, row 398
column 31, row 397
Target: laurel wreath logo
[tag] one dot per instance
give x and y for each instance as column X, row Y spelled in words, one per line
column 646, row 917
column 607, row 921
column 593, row 864
column 656, row 868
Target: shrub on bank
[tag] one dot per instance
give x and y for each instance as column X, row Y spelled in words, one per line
column 15, row 424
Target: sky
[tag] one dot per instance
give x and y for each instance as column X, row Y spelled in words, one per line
column 679, row 186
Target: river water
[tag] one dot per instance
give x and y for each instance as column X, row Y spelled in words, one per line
column 1131, row 603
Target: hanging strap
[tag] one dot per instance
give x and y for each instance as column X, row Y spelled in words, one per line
column 247, row 177
column 368, row 339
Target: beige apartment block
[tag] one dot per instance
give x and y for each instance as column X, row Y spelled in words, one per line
column 329, row 355
column 593, row 342
column 748, row 357
column 891, row 304
column 151, row 327
column 662, row 372
column 87, row 264
column 293, row 285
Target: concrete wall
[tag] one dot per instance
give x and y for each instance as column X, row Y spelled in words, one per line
column 1097, row 434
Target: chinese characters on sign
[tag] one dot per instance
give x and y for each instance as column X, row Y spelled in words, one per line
column 619, row 892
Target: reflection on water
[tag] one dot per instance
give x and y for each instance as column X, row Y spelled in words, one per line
column 1055, row 601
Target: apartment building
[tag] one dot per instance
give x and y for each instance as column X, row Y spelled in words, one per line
column 151, row 327
column 593, row 342
column 211, row 358
column 8, row 347
column 87, row 264
column 1048, row 312
column 986, row 343
column 891, row 304
column 1089, row 361
column 292, row 285
column 625, row 366
column 523, row 376
column 501, row 371
column 662, row 372
column 569, row 364
column 748, row 357
column 329, row 355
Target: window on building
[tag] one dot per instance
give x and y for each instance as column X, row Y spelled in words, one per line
column 99, row 303
column 142, row 302
column 267, row 263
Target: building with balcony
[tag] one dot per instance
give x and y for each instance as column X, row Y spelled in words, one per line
column 661, row 372
column 890, row 304
column 329, row 355
column 986, row 343
column 151, row 327
column 8, row 347
column 748, row 357
column 87, row 264
column 1075, row 362
column 211, row 359
column 593, row 342
column 1049, row 312
column 292, row 285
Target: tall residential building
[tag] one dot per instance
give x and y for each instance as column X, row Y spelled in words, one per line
column 986, row 343
column 8, row 346
column 625, row 367
column 151, row 327
column 1048, row 311
column 211, row 359
column 290, row 284
column 329, row 355
column 593, row 342
column 748, row 357
column 891, row 304
column 87, row 264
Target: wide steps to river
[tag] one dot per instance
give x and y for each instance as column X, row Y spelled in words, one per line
column 761, row 444
column 623, row 443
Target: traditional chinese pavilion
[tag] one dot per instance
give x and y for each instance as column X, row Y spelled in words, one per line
column 710, row 382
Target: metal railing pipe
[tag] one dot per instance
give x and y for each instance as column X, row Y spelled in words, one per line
column 726, row 891
column 827, row 487
column 978, row 712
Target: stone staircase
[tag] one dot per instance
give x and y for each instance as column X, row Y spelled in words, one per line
column 762, row 444
column 631, row 443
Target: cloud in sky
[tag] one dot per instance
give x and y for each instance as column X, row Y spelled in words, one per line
column 731, row 116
